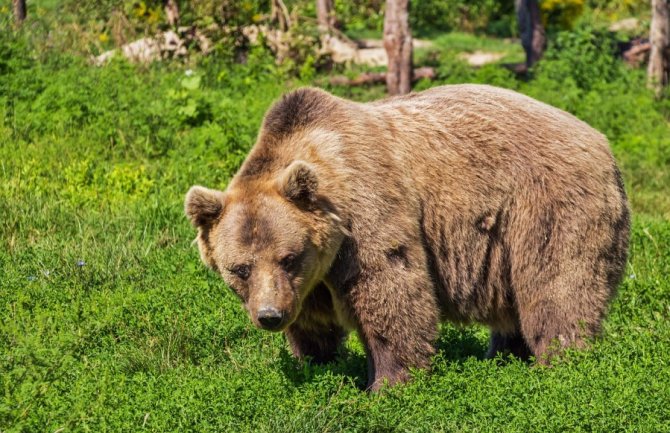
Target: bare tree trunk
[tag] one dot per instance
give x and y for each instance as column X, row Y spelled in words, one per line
column 172, row 12
column 279, row 14
column 659, row 36
column 531, row 30
column 398, row 46
column 325, row 15
column 19, row 10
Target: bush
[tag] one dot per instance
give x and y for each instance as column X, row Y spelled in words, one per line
column 469, row 16
column 585, row 56
column 561, row 14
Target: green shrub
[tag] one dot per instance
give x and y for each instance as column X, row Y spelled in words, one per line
column 430, row 16
column 561, row 14
column 479, row 15
column 586, row 56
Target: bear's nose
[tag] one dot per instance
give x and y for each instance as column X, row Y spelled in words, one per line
column 269, row 318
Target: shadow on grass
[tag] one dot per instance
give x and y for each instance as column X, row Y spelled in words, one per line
column 460, row 343
column 453, row 344
column 348, row 363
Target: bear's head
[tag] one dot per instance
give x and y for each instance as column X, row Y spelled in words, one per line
column 272, row 240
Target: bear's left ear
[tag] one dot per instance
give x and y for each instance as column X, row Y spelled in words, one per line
column 299, row 183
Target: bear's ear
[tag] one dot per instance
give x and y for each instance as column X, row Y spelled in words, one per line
column 299, row 183
column 203, row 205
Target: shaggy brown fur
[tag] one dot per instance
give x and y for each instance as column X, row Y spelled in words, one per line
column 464, row 203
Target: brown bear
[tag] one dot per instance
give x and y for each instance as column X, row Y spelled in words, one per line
column 465, row 203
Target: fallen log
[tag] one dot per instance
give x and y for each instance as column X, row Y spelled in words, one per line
column 153, row 48
column 368, row 52
column 379, row 77
column 635, row 52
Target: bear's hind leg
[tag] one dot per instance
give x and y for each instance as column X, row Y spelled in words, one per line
column 549, row 327
column 508, row 344
column 563, row 274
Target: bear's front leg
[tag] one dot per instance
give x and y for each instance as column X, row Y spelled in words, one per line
column 397, row 316
column 315, row 334
column 318, row 343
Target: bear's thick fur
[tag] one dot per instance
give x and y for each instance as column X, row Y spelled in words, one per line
column 465, row 203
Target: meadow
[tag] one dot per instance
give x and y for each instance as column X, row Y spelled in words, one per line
column 109, row 321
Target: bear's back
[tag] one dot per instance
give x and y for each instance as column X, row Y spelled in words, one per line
column 502, row 116
column 468, row 135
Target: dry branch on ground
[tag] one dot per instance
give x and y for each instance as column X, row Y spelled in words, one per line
column 368, row 78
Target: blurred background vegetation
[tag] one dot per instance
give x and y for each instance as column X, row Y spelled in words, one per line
column 92, row 27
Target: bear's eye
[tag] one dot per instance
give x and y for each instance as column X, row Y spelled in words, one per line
column 242, row 271
column 289, row 262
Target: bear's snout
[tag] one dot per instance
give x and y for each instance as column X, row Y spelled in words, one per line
column 270, row 318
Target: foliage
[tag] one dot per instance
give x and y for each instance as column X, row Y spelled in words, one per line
column 561, row 14
column 109, row 322
column 357, row 15
column 617, row 9
column 585, row 56
column 93, row 27
column 429, row 16
column 468, row 16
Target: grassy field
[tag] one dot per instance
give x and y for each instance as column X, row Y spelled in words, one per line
column 109, row 322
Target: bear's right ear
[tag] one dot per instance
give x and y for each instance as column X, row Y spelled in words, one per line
column 299, row 183
column 203, row 205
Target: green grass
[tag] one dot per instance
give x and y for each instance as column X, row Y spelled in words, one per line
column 458, row 42
column 109, row 322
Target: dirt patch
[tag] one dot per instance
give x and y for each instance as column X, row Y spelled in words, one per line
column 481, row 58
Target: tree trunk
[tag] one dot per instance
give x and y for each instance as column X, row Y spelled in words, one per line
column 19, row 10
column 659, row 36
column 172, row 12
column 531, row 30
column 325, row 15
column 279, row 14
column 398, row 46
